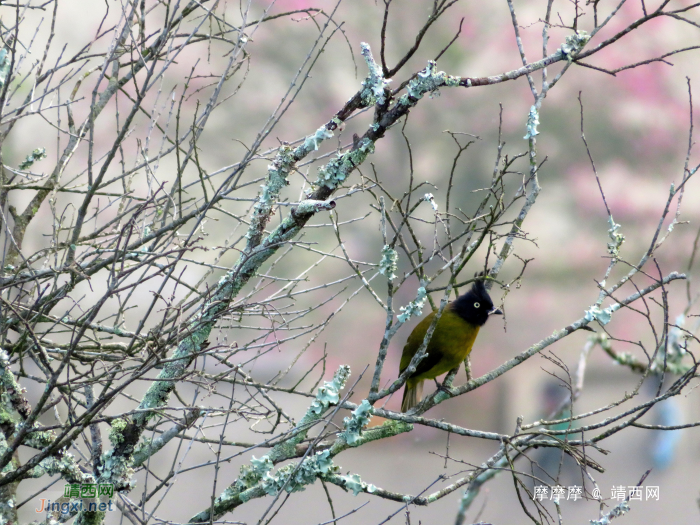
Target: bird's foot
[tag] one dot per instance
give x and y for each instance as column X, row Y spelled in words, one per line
column 443, row 388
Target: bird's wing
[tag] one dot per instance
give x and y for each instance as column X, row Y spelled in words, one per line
column 429, row 362
column 413, row 344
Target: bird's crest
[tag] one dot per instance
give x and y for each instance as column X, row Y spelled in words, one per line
column 479, row 286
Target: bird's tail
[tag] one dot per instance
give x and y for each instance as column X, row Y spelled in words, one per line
column 412, row 395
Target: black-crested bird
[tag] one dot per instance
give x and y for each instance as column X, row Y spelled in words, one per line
column 451, row 342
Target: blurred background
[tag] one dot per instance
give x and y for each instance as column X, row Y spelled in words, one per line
column 636, row 124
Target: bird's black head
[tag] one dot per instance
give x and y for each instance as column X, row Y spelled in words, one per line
column 475, row 306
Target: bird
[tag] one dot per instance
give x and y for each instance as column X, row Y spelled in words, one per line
column 452, row 340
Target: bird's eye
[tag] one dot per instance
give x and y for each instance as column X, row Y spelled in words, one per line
column 476, row 305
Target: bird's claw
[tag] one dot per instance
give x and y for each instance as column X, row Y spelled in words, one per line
column 443, row 388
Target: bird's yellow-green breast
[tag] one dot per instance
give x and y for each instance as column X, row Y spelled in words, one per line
column 450, row 344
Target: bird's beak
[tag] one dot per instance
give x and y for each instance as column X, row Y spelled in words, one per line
column 496, row 311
